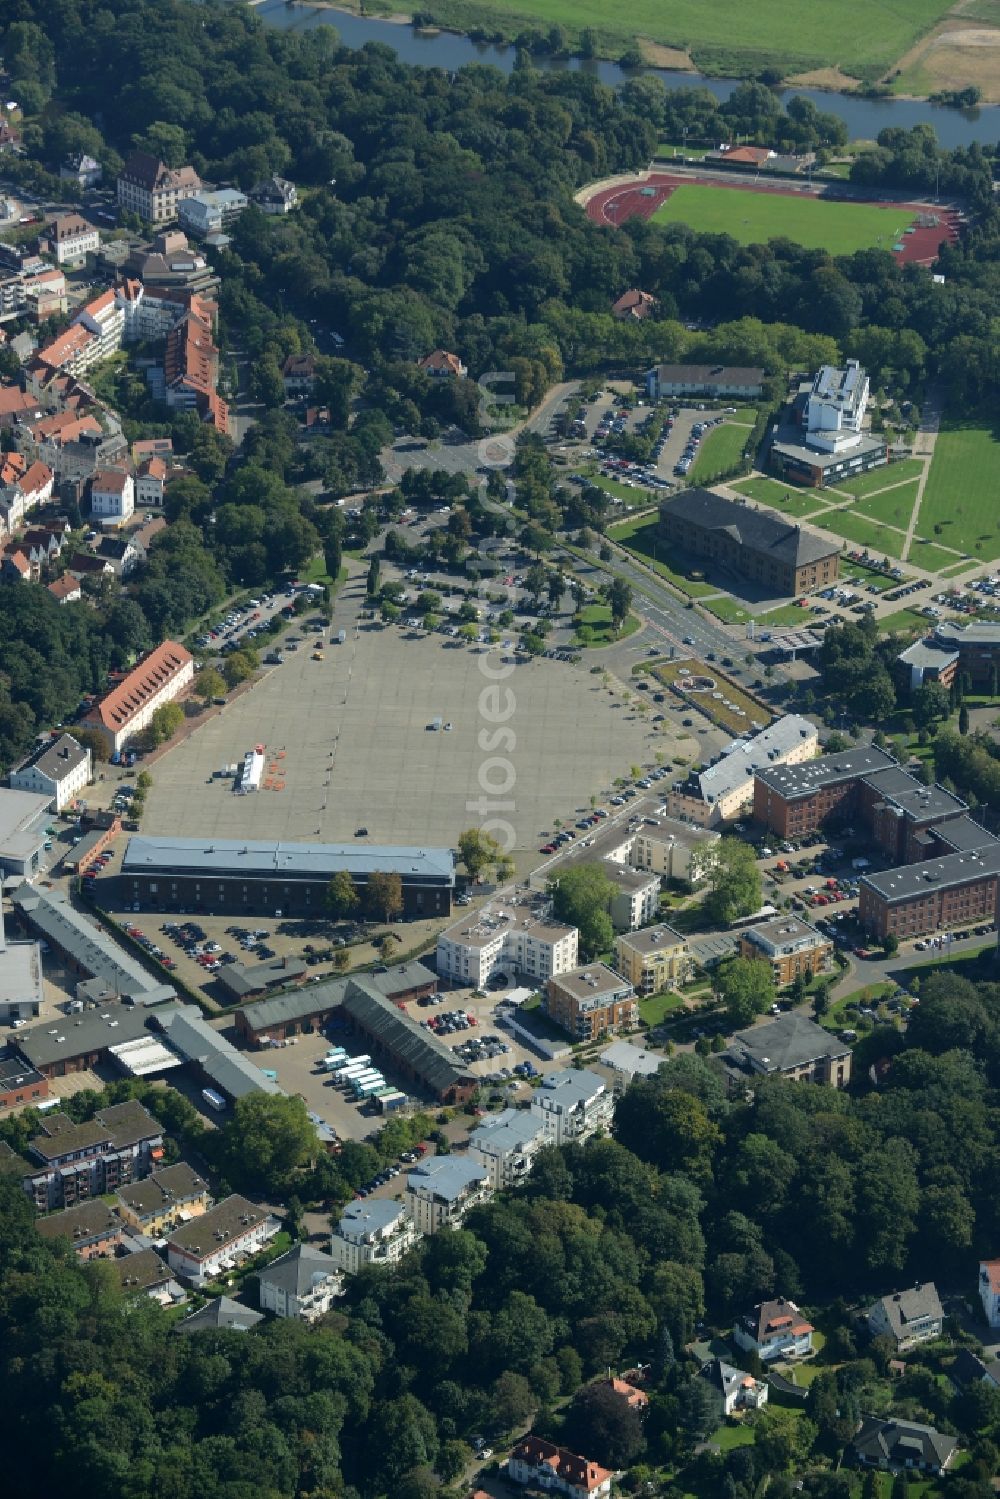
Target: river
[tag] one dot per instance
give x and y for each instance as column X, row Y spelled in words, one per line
column 864, row 118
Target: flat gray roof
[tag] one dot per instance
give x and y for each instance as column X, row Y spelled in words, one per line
column 802, row 452
column 911, row 880
column 511, row 1129
column 570, row 1088
column 190, row 1034
column 809, row 775
column 360, row 1220
column 928, row 653
column 18, row 810
column 78, row 1035
column 652, row 939
column 622, row 1056
column 89, row 945
column 591, row 981
column 976, row 632
column 20, row 972
column 920, row 802
column 264, row 859
column 446, row 1176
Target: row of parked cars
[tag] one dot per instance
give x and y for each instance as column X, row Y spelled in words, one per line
column 480, row 1049
column 449, row 1022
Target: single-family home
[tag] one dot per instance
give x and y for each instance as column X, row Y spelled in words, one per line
column 535, row 1461
column 92, row 1228
column 274, row 195
column 303, row 1284
column 150, row 482
column 15, row 568
column 967, row 1369
column 221, row 1312
column 119, row 551
column 440, row 1192
column 169, row 1196
column 59, row 769
column 219, row 1239
column 635, row 305
column 69, row 239
column 443, row 365
column 989, row 1290
column 298, row 374
column 573, row 1106
column 738, row 1390
column 901, row 1446
column 774, row 1330
column 82, row 169
column 907, row 1317
column 112, row 496
column 66, row 590
column 372, row 1231
column 634, row 1397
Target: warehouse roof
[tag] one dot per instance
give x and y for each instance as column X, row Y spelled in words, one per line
column 242, row 979
column 269, row 858
column 89, row 946
column 79, row 1035
column 760, row 530
column 298, row 1004
column 427, row 1057
column 218, row 1059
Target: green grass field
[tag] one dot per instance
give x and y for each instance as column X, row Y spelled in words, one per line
column 934, row 558
column 962, row 488
column 780, row 496
column 784, row 615
column 954, row 570
column 893, row 507
column 881, row 478
column 640, row 535
column 904, row 619
column 865, row 36
column 656, row 1007
column 720, row 452
column 728, row 610
column 594, row 626
column 878, row 540
column 754, row 218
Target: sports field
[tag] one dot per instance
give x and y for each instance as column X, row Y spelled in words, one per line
column 753, row 218
column 962, row 490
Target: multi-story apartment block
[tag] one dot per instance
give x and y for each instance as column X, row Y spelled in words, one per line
column 120, row 1144
column 112, row 496
column 302, row 1284
column 70, row 239
column 93, row 1229
column 572, row 1106
column 372, row 1231
column 725, row 790
column 636, row 896
column 676, row 851
column 167, row 1197
column 514, row 936
column 545, row 1466
column 653, row 960
column 792, row 948
column 505, row 1145
column 219, row 1239
column 591, row 1001
column 152, row 190
column 440, row 1192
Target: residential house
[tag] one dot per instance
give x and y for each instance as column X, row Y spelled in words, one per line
column 168, row 1196
column 85, row 564
column 774, row 1330
column 901, row 1447
column 794, row 1047
column 93, row 1229
column 152, row 190
column 112, row 496
column 128, row 708
column 635, row 305
column 207, row 213
column 791, row 948
column 66, row 590
column 59, row 769
column 653, row 960
column 274, row 195
column 443, row 365
column 152, row 447
column 967, row 1369
column 738, row 1390
column 634, row 1397
column 70, row 239
column 302, row 1284
column 907, row 1317
column 42, row 544
column 440, row 1192
column 143, row 1273
column 10, row 137
column 44, row 296
column 591, row 1001
column 506, row 1144
column 635, row 899
column 219, row 1239
column 82, row 169
column 150, row 482
column 298, row 374
column 119, row 551
column 143, row 536
column 989, row 1290
column 573, row 1106
column 122, row 1143
column 222, row 1312
column 677, row 851
column 628, row 1061
column 15, row 568
column 535, row 1461
column 372, row 1231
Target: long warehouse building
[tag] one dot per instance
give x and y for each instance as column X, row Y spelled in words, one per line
column 235, row 876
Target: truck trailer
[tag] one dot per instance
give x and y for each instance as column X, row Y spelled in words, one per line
column 389, row 1102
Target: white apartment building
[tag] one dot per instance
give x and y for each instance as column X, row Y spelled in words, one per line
column 440, row 1192
column 835, row 407
column 724, row 790
column 150, row 482
column 210, row 212
column 676, row 851
column 506, row 1144
column 218, row 1240
column 372, row 1231
column 303, row 1284
column 153, row 190
column 104, row 318
column 513, row 936
column 636, row 900
column 573, row 1106
column 112, row 496
column 129, row 707
column 60, row 769
column 70, row 239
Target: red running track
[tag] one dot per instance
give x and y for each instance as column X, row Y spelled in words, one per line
column 615, row 206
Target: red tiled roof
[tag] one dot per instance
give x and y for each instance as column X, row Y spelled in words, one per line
column 110, row 480
column 576, row 1471
column 12, row 466
column 64, row 587
column 441, row 360
column 154, row 468
column 20, row 561
column 62, row 349
column 64, row 426
column 37, row 477
column 14, row 402
column 634, row 303
column 123, row 702
column 992, row 1268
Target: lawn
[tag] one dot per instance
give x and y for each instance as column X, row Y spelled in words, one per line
column 893, row 507
column 905, row 619
column 785, row 614
column 728, row 610
column 865, row 36
column 667, row 150
column 881, row 478
column 654, row 1009
column 753, row 218
column 934, row 558
column 729, row 1436
column 954, row 570
column 640, row 535
column 594, row 626
column 961, row 493
column 732, row 722
column 720, row 453
column 780, row 496
column 879, row 541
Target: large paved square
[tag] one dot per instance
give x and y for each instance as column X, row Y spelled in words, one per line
column 348, row 741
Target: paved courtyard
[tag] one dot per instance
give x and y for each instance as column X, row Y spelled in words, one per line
column 349, row 745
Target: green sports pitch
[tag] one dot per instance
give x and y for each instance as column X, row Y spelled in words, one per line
column 753, row 218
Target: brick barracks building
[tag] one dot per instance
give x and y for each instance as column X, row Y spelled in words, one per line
column 759, row 544
column 946, row 867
